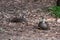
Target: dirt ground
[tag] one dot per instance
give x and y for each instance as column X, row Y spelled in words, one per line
column 32, row 12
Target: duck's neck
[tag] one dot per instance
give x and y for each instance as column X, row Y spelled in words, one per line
column 43, row 20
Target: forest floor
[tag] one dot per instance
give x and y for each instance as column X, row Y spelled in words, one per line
column 28, row 30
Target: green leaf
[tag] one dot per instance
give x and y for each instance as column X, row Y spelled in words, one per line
column 55, row 11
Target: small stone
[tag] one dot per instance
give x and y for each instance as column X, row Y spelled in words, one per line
column 58, row 21
column 46, row 35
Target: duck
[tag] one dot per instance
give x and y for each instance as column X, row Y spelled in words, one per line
column 43, row 24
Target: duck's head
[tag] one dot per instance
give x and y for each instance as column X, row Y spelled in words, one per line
column 43, row 19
